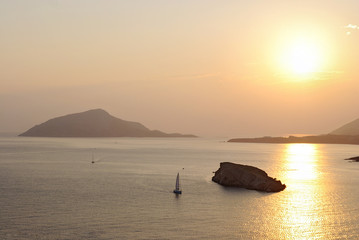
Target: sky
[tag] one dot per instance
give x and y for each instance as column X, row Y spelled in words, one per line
column 210, row 68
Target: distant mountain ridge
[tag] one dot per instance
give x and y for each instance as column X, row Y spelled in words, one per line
column 346, row 134
column 351, row 129
column 93, row 123
column 325, row 139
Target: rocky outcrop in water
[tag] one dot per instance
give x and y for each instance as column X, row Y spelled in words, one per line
column 244, row 176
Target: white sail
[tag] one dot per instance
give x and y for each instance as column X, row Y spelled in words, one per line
column 177, row 187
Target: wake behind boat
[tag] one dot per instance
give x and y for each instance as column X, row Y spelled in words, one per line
column 178, row 189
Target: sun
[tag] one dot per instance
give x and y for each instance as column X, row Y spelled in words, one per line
column 301, row 57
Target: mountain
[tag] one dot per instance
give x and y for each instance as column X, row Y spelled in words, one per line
column 351, row 129
column 93, row 123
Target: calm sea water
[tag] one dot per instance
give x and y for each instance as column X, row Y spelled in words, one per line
column 49, row 189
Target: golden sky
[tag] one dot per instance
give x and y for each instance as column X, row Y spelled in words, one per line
column 211, row 68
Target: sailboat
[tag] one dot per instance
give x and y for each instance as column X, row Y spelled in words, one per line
column 177, row 187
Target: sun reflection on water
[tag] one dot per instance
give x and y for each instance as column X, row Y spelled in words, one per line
column 302, row 213
column 301, row 161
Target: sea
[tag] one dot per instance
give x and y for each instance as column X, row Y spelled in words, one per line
column 50, row 189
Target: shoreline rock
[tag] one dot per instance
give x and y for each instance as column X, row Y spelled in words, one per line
column 353, row 159
column 244, row 176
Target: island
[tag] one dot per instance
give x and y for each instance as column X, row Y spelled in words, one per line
column 94, row 123
column 244, row 176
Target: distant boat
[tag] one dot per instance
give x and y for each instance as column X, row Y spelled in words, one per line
column 177, row 187
column 93, row 160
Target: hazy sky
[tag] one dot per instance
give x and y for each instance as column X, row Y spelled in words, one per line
column 211, row 68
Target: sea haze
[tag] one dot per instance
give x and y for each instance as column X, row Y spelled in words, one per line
column 49, row 189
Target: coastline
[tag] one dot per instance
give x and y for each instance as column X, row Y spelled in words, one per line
column 318, row 139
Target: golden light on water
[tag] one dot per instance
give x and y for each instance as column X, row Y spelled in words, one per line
column 301, row 212
column 301, row 161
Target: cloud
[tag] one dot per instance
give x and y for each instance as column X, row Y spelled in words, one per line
column 314, row 76
column 352, row 26
column 195, row 76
